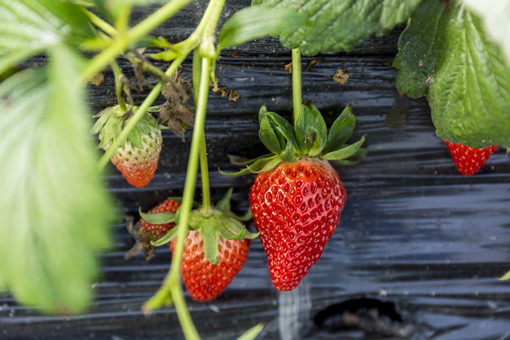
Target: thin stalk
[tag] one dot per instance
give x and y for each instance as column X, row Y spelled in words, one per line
column 142, row 109
column 119, row 85
column 101, row 24
column 204, row 171
column 123, row 18
column 297, row 96
column 119, row 45
column 170, row 290
column 187, row 199
column 204, row 168
column 205, row 30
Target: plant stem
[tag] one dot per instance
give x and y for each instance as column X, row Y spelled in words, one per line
column 187, row 199
column 119, row 45
column 138, row 114
column 100, row 23
column 204, row 168
column 204, row 171
column 119, row 85
column 297, row 96
column 171, row 287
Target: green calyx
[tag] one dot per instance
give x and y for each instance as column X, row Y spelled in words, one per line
column 211, row 222
column 111, row 121
column 308, row 138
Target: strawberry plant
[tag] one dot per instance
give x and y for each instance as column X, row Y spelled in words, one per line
column 56, row 178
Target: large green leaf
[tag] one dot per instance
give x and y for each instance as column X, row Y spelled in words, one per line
column 470, row 93
column 29, row 27
column 495, row 14
column 420, row 47
column 55, row 210
column 340, row 24
column 258, row 22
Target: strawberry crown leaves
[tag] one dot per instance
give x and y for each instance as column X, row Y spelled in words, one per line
column 112, row 120
column 218, row 221
column 308, row 138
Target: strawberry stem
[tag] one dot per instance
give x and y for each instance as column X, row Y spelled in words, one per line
column 142, row 109
column 119, row 85
column 297, row 96
column 187, row 200
column 204, row 171
column 100, row 23
column 171, row 285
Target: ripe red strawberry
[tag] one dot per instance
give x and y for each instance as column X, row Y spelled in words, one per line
column 469, row 160
column 296, row 208
column 204, row 280
column 145, row 232
column 152, row 232
column 297, row 196
column 137, row 158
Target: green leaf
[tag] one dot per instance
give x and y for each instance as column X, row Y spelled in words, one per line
column 341, row 130
column 210, row 233
column 30, row 27
column 157, row 218
column 420, row 47
column 311, row 130
column 494, row 14
column 282, row 127
column 470, row 96
column 268, row 136
column 54, row 207
column 397, row 11
column 345, row 152
column 224, row 204
column 172, row 233
column 340, row 24
column 254, row 167
column 258, row 22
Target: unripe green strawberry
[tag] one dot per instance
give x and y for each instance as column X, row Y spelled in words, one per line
column 137, row 157
column 296, row 208
column 138, row 164
column 204, row 280
column 469, row 160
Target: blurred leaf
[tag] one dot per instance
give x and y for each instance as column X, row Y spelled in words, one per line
column 55, row 210
column 470, row 93
column 494, row 14
column 252, row 333
column 30, row 27
column 420, row 47
column 258, row 22
column 340, row 24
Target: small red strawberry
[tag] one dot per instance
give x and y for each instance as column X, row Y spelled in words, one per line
column 296, row 208
column 137, row 158
column 469, row 160
column 204, row 280
column 145, row 232
column 153, row 232
column 215, row 248
column 297, row 196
